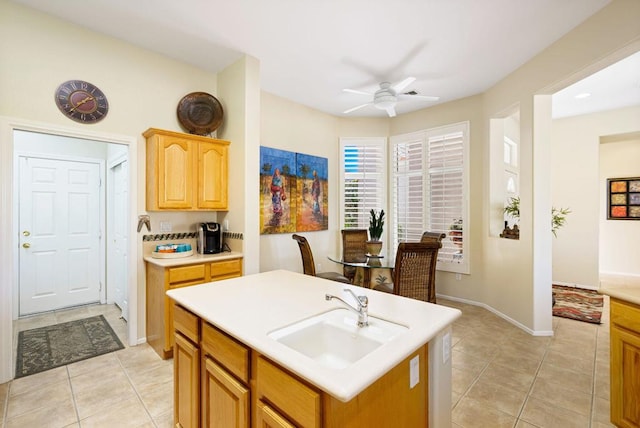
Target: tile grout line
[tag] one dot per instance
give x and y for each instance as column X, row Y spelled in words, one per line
column 73, row 396
column 135, row 390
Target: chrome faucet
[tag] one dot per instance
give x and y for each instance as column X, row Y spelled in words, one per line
column 361, row 310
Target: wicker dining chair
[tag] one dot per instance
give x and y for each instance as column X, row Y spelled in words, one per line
column 414, row 274
column 353, row 250
column 432, row 236
column 309, row 267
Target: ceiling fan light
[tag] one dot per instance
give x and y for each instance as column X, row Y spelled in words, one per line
column 385, row 101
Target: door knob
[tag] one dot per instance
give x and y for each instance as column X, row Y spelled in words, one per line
column 26, row 233
column 26, row 245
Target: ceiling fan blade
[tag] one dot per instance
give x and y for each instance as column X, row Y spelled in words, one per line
column 391, row 111
column 357, row 108
column 422, row 97
column 353, row 91
column 406, row 82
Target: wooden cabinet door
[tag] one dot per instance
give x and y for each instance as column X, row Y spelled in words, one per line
column 225, row 401
column 212, row 176
column 186, row 379
column 625, row 377
column 266, row 417
column 175, row 173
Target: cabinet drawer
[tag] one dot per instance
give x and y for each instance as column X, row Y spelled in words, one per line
column 625, row 314
column 226, row 269
column 186, row 323
column 190, row 273
column 233, row 355
column 298, row 401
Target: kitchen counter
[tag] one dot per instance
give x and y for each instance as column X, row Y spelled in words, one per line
column 623, row 288
column 195, row 258
column 250, row 307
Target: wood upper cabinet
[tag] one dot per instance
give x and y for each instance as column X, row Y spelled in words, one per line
column 186, row 172
column 625, row 363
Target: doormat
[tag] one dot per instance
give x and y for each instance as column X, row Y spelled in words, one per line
column 577, row 303
column 53, row 346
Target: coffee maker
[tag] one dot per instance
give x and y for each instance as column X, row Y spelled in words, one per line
column 209, row 238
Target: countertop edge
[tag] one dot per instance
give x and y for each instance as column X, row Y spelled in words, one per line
column 195, row 258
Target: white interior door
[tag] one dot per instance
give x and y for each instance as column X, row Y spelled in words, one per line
column 117, row 258
column 59, row 223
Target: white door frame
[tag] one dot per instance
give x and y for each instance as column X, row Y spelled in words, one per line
column 9, row 243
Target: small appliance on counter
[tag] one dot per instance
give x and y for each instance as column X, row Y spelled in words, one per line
column 209, row 238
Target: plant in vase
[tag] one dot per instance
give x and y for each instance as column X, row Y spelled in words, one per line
column 558, row 215
column 455, row 231
column 376, row 227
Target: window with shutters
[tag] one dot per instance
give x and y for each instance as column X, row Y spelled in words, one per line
column 429, row 191
column 364, row 180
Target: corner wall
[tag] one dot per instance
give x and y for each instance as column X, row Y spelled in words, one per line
column 579, row 168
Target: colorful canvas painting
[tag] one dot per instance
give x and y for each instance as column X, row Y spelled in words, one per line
column 312, row 187
column 623, row 198
column 277, row 191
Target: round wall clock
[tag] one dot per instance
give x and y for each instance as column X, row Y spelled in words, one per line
column 81, row 101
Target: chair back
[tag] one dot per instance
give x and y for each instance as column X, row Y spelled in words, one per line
column 353, row 249
column 308, row 266
column 432, row 236
column 415, row 270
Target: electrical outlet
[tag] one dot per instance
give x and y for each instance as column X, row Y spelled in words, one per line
column 319, row 267
column 226, row 225
column 414, row 371
column 165, row 226
column 446, row 348
column 458, row 277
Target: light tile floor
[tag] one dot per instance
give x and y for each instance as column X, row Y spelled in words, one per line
column 502, row 377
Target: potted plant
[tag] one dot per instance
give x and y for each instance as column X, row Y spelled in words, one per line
column 455, row 231
column 558, row 215
column 376, row 227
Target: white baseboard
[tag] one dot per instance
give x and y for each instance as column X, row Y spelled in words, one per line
column 574, row 285
column 498, row 313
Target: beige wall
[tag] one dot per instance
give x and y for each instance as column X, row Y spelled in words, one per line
column 580, row 166
column 39, row 52
column 619, row 251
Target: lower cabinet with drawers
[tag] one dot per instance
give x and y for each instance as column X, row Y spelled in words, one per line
column 160, row 314
column 221, row 382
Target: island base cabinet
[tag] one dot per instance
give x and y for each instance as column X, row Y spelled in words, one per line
column 186, row 378
column 625, row 364
column 225, row 401
column 222, row 382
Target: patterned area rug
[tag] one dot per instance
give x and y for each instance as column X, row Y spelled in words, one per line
column 577, row 303
column 45, row 348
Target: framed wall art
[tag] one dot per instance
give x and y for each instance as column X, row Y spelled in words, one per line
column 623, row 198
column 293, row 192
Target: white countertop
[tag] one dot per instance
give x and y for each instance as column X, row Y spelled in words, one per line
column 623, row 287
column 250, row 307
column 195, row 258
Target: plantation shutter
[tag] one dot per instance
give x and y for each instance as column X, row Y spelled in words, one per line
column 364, row 180
column 445, row 154
column 408, row 190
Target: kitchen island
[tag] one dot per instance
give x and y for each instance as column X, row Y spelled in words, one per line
column 226, row 329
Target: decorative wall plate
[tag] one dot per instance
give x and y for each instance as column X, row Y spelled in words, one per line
column 200, row 113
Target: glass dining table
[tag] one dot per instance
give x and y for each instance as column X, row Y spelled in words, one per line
column 377, row 270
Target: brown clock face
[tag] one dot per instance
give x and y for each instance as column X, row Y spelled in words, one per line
column 81, row 101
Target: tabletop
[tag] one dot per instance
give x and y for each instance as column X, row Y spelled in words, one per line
column 373, row 262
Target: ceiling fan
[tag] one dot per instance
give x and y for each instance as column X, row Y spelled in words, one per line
column 388, row 96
